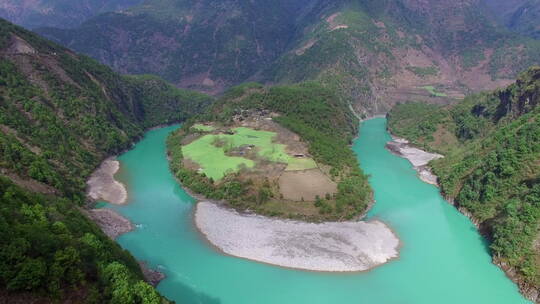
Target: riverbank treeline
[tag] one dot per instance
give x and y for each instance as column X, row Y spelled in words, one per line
column 61, row 114
column 50, row 250
column 321, row 119
column 491, row 169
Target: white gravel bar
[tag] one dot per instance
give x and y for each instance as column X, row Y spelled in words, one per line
column 418, row 158
column 329, row 247
column 103, row 186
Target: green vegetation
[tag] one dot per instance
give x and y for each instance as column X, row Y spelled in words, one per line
column 50, row 132
column 60, row 115
column 433, row 91
column 203, row 128
column 262, row 140
column 49, row 248
column 321, row 119
column 492, row 167
column 161, row 102
column 417, row 122
column 424, row 71
column 210, row 152
column 212, row 159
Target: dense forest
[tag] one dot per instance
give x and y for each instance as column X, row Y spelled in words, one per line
column 60, row 115
column 49, row 249
column 491, row 143
column 312, row 111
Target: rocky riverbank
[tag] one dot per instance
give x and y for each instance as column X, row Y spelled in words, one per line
column 110, row 222
column 152, row 276
column 329, row 247
column 114, row 225
column 418, row 158
column 103, row 186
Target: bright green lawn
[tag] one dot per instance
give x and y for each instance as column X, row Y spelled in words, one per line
column 262, row 140
column 204, row 128
column 212, row 159
column 216, row 164
column 433, row 91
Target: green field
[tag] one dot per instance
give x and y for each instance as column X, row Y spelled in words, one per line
column 262, row 140
column 297, row 164
column 216, row 164
column 433, row 91
column 212, row 159
column 204, row 128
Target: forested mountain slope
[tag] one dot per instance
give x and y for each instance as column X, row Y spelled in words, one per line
column 58, row 13
column 206, row 45
column 382, row 52
column 60, row 115
column 521, row 16
column 374, row 52
column 491, row 169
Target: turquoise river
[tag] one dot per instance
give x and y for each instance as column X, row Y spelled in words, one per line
column 443, row 259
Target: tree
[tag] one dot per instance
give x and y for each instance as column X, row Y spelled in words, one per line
column 30, row 275
column 146, row 294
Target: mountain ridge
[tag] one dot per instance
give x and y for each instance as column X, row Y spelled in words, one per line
column 381, row 52
column 520, row 16
column 59, row 13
